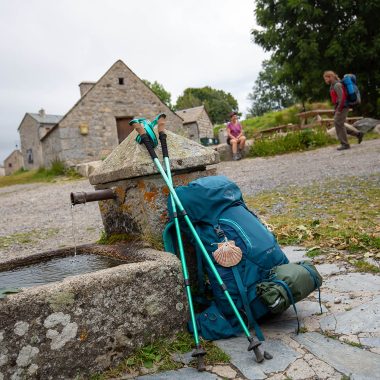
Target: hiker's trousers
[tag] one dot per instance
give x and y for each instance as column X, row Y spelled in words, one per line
column 341, row 130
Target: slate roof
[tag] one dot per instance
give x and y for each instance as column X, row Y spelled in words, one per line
column 190, row 115
column 46, row 119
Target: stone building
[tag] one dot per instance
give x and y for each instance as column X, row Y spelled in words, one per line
column 98, row 122
column 197, row 123
column 13, row 162
column 33, row 127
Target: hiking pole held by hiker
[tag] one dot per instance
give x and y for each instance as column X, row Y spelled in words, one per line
column 143, row 138
column 199, row 352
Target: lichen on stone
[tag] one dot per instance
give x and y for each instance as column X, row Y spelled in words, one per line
column 61, row 300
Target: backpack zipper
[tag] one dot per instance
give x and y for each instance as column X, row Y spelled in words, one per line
column 237, row 226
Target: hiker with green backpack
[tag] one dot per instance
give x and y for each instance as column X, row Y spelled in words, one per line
column 344, row 94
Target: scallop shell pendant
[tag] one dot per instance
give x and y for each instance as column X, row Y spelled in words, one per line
column 227, row 254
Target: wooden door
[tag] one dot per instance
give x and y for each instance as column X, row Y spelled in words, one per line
column 123, row 127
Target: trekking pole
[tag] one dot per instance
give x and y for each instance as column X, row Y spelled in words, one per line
column 199, row 352
column 143, row 138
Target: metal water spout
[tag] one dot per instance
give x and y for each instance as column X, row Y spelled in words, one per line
column 92, row 196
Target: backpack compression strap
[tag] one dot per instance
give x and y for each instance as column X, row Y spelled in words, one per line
column 316, row 283
column 243, row 295
column 290, row 295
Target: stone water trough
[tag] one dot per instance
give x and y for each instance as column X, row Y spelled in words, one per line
column 87, row 323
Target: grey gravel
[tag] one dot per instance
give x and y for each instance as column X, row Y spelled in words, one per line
column 43, row 213
column 303, row 168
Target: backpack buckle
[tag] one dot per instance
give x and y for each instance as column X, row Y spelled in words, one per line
column 218, row 230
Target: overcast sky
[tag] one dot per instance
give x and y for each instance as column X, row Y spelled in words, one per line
column 47, row 47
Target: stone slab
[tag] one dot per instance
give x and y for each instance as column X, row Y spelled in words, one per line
column 352, row 361
column 185, row 358
column 370, row 341
column 363, row 318
column 236, row 348
column 295, row 253
column 130, row 160
column 183, row 374
column 354, row 282
column 329, row 269
column 304, row 309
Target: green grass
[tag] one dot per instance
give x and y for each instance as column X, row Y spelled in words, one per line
column 57, row 170
column 274, row 118
column 363, row 266
column 338, row 218
column 158, row 355
column 26, row 238
column 293, row 141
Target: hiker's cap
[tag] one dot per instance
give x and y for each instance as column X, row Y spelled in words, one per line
column 233, row 114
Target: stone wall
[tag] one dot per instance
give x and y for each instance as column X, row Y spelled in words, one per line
column 30, row 139
column 205, row 126
column 98, row 110
column 88, row 323
column 51, row 148
column 13, row 162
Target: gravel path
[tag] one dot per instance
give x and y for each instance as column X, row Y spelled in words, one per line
column 37, row 217
column 259, row 174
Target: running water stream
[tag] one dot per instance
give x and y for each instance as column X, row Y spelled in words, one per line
column 73, row 230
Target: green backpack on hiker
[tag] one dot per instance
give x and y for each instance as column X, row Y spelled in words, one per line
column 261, row 283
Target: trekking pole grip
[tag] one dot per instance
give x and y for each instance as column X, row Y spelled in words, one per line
column 149, row 145
column 162, row 136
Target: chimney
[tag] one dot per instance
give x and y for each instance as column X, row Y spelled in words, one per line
column 41, row 112
column 85, row 87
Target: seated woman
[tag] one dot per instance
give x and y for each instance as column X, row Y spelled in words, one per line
column 235, row 136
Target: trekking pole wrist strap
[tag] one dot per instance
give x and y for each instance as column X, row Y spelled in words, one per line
column 149, row 145
column 162, row 136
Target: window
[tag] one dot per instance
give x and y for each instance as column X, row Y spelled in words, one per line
column 29, row 155
column 10, row 165
column 121, row 80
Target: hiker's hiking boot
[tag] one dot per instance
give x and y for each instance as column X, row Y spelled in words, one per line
column 343, row 147
column 360, row 137
column 235, row 157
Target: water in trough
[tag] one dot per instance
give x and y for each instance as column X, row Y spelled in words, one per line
column 54, row 270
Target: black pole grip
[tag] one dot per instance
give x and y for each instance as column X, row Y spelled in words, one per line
column 164, row 145
column 149, row 145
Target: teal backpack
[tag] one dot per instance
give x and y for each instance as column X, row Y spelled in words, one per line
column 218, row 213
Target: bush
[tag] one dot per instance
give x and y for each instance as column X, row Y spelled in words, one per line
column 57, row 168
column 291, row 142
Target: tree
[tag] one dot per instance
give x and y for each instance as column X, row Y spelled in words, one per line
column 159, row 90
column 218, row 103
column 310, row 36
column 268, row 93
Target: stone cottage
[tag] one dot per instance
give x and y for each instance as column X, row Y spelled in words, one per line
column 33, row 127
column 98, row 122
column 13, row 162
column 197, row 123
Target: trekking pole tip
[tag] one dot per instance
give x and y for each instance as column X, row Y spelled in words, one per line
column 200, row 353
column 254, row 345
